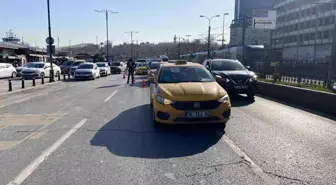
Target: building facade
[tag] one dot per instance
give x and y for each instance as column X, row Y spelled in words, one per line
column 304, row 28
column 252, row 36
column 245, row 7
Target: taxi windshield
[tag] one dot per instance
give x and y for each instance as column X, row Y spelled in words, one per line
column 184, row 74
column 142, row 64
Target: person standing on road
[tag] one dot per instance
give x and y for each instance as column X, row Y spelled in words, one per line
column 130, row 66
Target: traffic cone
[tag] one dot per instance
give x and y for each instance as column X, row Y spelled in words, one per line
column 124, row 76
column 143, row 84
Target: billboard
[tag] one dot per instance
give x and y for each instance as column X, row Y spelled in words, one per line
column 264, row 19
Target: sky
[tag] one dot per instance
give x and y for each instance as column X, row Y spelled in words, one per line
column 76, row 22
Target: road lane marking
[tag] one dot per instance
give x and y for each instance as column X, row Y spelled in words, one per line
column 38, row 135
column 254, row 167
column 109, row 97
column 25, row 173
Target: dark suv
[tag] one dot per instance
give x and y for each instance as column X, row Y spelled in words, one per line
column 233, row 76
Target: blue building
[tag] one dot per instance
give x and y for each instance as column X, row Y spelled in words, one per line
column 245, row 7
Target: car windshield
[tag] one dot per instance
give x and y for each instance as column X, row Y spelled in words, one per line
column 68, row 63
column 86, row 66
column 77, row 63
column 155, row 66
column 141, row 61
column 35, row 65
column 142, row 64
column 185, row 74
column 101, row 64
column 116, row 64
column 226, row 65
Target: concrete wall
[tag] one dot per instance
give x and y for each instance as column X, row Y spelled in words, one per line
column 314, row 100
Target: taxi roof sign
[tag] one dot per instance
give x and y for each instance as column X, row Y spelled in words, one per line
column 180, row 62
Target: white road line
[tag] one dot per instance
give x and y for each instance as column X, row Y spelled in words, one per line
column 255, row 168
column 33, row 166
column 109, row 97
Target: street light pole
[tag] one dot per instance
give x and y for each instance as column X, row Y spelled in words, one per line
column 223, row 38
column 51, row 78
column 188, row 36
column 106, row 11
column 209, row 30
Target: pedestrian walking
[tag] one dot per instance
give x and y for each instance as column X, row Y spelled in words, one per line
column 131, row 67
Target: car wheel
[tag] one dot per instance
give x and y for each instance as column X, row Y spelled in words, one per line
column 250, row 96
column 14, row 75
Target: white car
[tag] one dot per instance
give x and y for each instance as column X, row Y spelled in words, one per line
column 39, row 70
column 87, row 71
column 104, row 68
column 7, row 70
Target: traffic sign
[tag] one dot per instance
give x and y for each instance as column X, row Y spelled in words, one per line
column 52, row 49
column 50, row 39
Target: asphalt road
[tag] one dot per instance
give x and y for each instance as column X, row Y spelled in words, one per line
column 100, row 132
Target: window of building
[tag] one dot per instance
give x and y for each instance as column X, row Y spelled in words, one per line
column 313, row 23
column 325, row 34
column 312, row 36
column 318, row 35
column 306, row 36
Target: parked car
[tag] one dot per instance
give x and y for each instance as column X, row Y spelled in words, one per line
column 104, row 68
column 233, row 76
column 75, row 65
column 115, row 67
column 87, row 71
column 19, row 70
column 39, row 70
column 65, row 66
column 7, row 70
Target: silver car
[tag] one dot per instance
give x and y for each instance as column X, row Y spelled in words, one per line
column 104, row 68
column 39, row 70
column 87, row 71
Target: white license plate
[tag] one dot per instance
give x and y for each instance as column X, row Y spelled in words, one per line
column 197, row 114
column 241, row 87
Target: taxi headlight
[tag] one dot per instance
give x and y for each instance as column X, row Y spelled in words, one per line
column 254, row 78
column 224, row 99
column 163, row 100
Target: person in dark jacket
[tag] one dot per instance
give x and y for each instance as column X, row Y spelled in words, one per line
column 131, row 67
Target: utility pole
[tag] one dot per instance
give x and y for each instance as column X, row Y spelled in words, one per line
column 58, row 41
column 106, row 11
column 70, row 54
column 209, row 30
column 51, row 78
column 223, row 35
column 244, row 29
column 132, row 32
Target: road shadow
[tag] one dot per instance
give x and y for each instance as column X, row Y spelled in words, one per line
column 240, row 101
column 132, row 134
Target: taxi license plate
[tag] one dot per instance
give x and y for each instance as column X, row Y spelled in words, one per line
column 241, row 87
column 197, row 114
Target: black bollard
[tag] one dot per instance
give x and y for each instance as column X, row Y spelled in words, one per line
column 22, row 84
column 34, row 81
column 42, row 80
column 69, row 75
column 63, row 75
column 10, row 85
column 58, row 77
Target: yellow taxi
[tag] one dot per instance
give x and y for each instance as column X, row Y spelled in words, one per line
column 141, row 68
column 154, row 66
column 187, row 93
